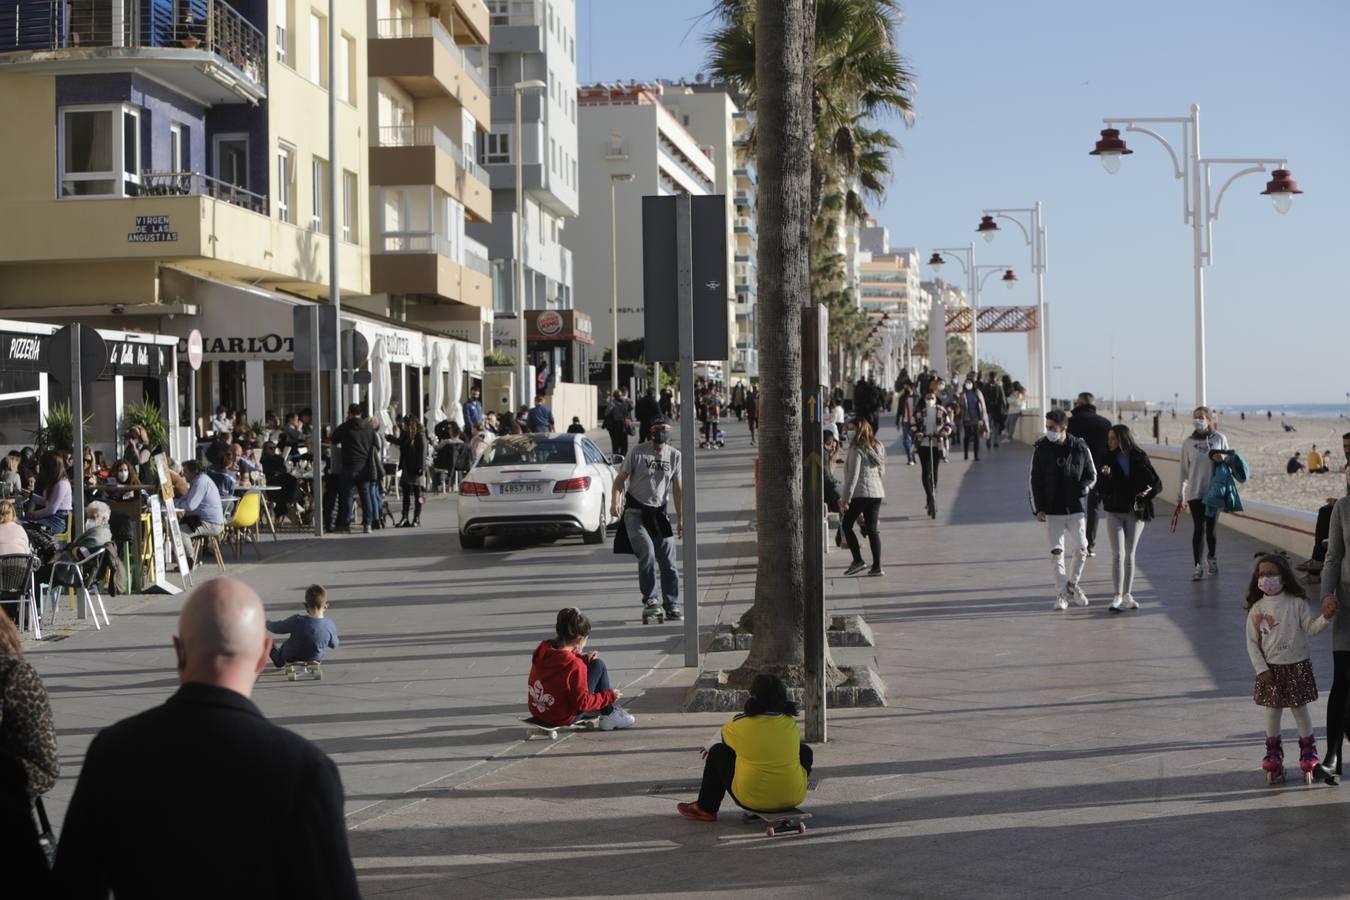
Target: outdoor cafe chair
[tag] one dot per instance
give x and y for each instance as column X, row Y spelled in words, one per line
column 83, row 575
column 16, row 586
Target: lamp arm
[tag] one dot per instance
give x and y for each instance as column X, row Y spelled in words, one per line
column 953, row 253
column 1178, row 171
column 1252, row 167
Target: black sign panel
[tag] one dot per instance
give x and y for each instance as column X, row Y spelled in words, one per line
column 133, row 359
column 660, row 283
column 22, row 352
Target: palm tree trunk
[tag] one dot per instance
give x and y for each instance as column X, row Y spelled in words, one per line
column 784, row 49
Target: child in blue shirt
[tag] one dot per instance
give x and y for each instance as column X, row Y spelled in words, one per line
column 310, row 634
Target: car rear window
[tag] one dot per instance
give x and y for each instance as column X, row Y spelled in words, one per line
column 521, row 449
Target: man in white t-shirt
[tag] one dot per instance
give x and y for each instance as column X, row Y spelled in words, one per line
column 649, row 477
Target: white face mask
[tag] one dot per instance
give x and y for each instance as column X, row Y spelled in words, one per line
column 930, row 402
column 1201, row 424
column 968, row 385
column 1054, row 437
column 123, row 477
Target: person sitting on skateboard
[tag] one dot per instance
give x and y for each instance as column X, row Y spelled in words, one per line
column 758, row 757
column 310, row 633
column 566, row 681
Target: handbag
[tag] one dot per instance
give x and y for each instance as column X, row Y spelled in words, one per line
column 629, row 428
column 46, row 837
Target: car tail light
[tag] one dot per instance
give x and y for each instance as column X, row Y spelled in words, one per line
column 474, row 489
column 573, row 485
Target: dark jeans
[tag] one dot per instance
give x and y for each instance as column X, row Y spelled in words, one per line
column 1202, row 533
column 1093, row 501
column 970, row 437
column 618, row 439
column 597, row 680
column 995, row 431
column 355, row 478
column 719, row 770
column 1337, row 707
column 930, row 459
column 1322, row 532
column 871, row 508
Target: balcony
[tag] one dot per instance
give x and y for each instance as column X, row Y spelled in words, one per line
column 425, row 264
column 421, row 57
column 197, row 184
column 423, row 154
column 213, row 53
column 744, row 225
column 518, row 26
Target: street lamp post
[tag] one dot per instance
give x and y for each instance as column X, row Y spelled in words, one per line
column 975, row 283
column 1035, row 238
column 615, row 179
column 1200, row 203
column 522, row 367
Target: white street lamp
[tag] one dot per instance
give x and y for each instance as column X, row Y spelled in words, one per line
column 522, row 367
column 1034, row 233
column 1200, row 203
column 615, row 179
column 974, row 284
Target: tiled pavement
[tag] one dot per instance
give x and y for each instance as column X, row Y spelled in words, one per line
column 1025, row 753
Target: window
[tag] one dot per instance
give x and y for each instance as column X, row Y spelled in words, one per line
column 231, row 154
column 574, row 173
column 285, row 183
column 496, row 148
column 285, row 13
column 318, row 216
column 553, row 155
column 346, row 71
column 179, row 160
column 318, row 49
column 94, row 162
column 350, row 200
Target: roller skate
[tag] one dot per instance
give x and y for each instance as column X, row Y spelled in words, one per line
column 1307, row 757
column 1273, row 764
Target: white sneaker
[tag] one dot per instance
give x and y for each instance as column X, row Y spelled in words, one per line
column 619, row 718
column 1199, row 573
column 1128, row 602
column 1061, row 601
column 1117, row 603
column 1078, row 596
column 1213, row 566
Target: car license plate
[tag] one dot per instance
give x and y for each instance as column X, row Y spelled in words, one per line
column 522, row 487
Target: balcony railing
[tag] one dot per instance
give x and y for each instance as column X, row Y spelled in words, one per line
column 196, row 184
column 477, row 263
column 210, row 25
column 429, row 136
column 516, row 12
column 417, row 243
column 425, row 26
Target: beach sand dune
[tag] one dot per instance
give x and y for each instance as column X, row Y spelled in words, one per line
column 1267, row 448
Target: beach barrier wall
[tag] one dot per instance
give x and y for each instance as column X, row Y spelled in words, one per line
column 1278, row 527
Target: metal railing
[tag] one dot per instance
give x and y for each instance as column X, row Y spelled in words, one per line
column 197, row 184
column 210, row 25
column 426, row 26
column 477, row 263
column 416, row 243
column 516, row 12
column 416, row 136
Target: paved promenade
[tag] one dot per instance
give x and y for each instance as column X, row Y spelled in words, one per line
column 1025, row 753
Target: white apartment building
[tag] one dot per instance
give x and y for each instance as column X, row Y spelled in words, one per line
column 531, row 41
column 626, row 130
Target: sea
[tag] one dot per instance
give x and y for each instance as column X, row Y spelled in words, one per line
column 1292, row 410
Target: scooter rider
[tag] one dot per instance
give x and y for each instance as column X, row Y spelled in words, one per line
column 649, row 477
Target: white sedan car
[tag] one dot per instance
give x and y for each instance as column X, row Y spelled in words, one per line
column 551, row 483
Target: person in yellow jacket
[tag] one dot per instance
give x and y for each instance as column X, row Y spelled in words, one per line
column 758, row 757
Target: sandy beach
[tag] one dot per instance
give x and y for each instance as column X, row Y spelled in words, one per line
column 1267, row 448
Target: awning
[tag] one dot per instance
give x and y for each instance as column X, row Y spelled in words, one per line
column 237, row 321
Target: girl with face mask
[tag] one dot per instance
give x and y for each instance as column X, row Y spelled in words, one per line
column 931, row 426
column 1197, row 470
column 1279, row 621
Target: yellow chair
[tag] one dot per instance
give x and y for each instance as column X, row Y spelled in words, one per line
column 243, row 524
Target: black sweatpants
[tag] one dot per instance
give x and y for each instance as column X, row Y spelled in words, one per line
column 1202, row 533
column 719, row 770
column 970, row 437
column 871, row 508
column 1094, row 505
column 1321, row 532
column 1337, row 702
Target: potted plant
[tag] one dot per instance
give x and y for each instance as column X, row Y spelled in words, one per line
column 58, row 431
column 148, row 416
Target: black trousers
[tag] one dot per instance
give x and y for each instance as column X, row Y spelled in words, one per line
column 1322, row 532
column 930, row 459
column 970, row 437
column 1337, row 711
column 1094, row 505
column 719, row 770
column 871, row 508
column 618, row 438
column 412, row 493
column 1202, row 532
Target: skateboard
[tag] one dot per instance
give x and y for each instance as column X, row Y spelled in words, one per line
column 787, row 821
column 653, row 612
column 309, row 667
column 537, row 728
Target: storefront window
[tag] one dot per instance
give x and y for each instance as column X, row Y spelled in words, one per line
column 288, row 391
column 19, row 422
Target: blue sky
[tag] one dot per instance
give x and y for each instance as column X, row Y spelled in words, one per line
column 1010, row 99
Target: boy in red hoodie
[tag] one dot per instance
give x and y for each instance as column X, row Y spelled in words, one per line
column 566, row 681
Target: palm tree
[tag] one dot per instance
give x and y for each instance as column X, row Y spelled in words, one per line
column 783, row 37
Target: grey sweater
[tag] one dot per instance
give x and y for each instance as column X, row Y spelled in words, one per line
column 863, row 473
column 1336, row 573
